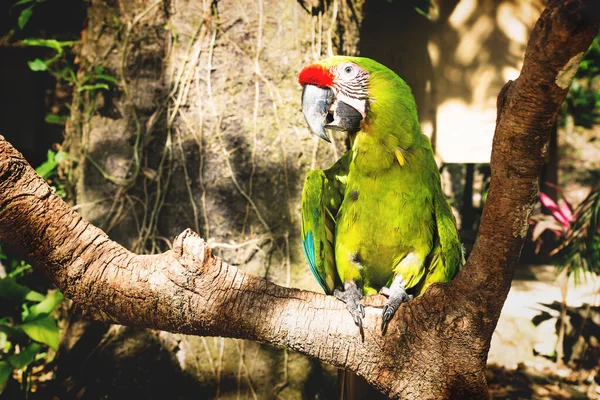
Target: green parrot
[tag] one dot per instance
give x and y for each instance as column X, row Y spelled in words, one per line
column 377, row 220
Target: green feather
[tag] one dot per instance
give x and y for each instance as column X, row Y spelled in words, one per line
column 321, row 199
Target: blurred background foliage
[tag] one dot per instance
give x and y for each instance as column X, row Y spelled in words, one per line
column 583, row 100
column 29, row 330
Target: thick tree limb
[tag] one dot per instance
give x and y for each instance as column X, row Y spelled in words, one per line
column 437, row 344
column 527, row 110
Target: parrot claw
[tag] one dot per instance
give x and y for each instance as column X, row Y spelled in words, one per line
column 351, row 296
column 338, row 294
column 357, row 320
column 396, row 296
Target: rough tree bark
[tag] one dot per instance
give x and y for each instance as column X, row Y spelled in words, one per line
column 436, row 346
column 203, row 131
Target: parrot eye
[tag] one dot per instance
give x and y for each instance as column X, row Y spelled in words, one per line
column 348, row 71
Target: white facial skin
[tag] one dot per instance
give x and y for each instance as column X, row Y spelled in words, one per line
column 347, row 72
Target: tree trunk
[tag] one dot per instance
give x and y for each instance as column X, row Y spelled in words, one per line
column 202, row 131
column 435, row 347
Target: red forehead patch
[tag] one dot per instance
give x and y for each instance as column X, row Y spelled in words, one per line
column 315, row 75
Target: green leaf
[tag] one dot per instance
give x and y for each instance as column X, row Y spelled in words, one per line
column 93, row 87
column 24, row 17
column 44, row 354
column 5, row 373
column 37, row 65
column 19, row 269
column 48, row 166
column 50, row 43
column 107, row 78
column 56, row 119
column 66, row 73
column 43, row 330
column 20, row 2
column 53, row 159
column 15, row 293
column 25, row 357
column 25, row 311
column 423, row 13
column 45, row 307
column 12, row 332
column 34, row 296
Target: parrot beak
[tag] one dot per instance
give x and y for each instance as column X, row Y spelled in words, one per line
column 316, row 102
column 345, row 116
column 323, row 110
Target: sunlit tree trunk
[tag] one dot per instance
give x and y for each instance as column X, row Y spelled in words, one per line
column 202, row 131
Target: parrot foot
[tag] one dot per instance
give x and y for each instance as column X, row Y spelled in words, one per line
column 396, row 295
column 351, row 296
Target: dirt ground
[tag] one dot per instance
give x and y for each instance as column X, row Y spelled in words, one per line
column 515, row 371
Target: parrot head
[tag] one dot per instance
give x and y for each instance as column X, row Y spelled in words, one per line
column 334, row 95
column 345, row 93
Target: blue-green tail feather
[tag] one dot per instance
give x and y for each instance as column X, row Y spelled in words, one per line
column 308, row 244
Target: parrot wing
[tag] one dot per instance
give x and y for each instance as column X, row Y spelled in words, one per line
column 452, row 250
column 321, row 198
column 447, row 254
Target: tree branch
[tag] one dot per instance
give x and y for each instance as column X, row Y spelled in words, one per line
column 527, row 110
column 436, row 346
column 186, row 290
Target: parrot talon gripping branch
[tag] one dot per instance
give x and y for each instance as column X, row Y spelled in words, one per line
column 396, row 295
column 399, row 236
column 352, row 296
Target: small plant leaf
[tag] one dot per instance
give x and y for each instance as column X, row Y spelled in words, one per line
column 45, row 307
column 56, row 119
column 25, row 357
column 50, row 43
column 566, row 211
column 5, row 373
column 20, row 2
column 545, row 224
column 16, row 293
column 107, row 78
column 95, row 86
column 34, row 296
column 11, row 332
column 43, row 330
column 24, row 17
column 37, row 65
column 46, row 169
column 554, row 209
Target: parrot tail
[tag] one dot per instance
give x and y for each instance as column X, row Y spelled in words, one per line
column 353, row 387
